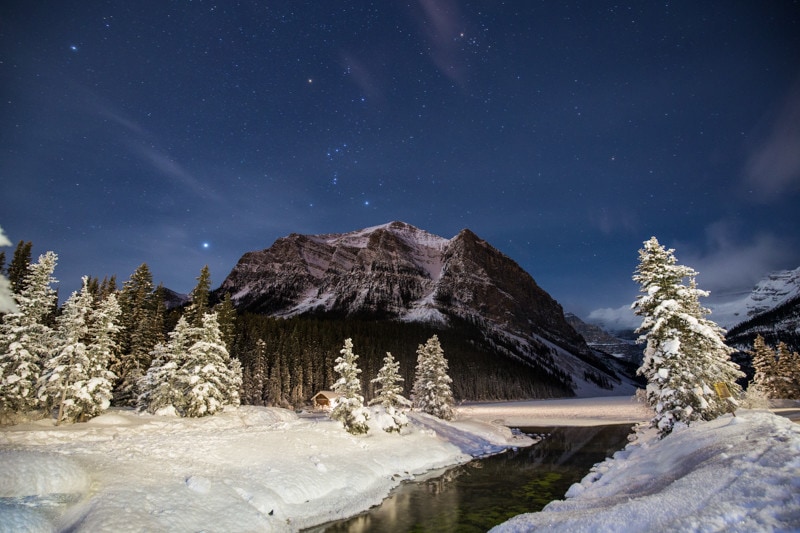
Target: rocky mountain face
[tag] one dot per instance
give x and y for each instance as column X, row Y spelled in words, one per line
column 599, row 339
column 399, row 272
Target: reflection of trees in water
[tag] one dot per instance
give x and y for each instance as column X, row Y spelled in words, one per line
column 483, row 493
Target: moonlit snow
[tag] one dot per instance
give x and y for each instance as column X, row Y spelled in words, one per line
column 266, row 469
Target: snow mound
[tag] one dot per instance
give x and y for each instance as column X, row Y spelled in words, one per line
column 26, row 473
column 246, row 469
column 730, row 474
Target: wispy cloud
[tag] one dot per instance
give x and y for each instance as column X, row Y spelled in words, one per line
column 773, row 168
column 440, row 25
column 169, row 168
column 619, row 319
column 730, row 264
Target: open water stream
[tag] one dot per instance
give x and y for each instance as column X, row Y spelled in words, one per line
column 485, row 492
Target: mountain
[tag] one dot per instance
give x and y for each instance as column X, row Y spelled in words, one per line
column 771, row 292
column 623, row 355
column 599, row 339
column 398, row 272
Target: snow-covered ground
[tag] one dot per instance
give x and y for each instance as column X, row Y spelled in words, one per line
column 249, row 469
column 263, row 469
column 731, row 474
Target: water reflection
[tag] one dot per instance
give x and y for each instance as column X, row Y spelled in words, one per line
column 486, row 492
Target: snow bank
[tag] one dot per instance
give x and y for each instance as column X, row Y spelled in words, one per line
column 247, row 469
column 731, row 474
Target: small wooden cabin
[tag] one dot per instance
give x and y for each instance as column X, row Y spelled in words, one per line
column 324, row 399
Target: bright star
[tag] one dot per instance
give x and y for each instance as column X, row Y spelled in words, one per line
column 206, row 245
column 73, row 48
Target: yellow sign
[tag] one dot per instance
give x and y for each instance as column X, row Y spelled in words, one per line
column 722, row 390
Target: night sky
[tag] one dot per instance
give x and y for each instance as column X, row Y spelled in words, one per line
column 565, row 134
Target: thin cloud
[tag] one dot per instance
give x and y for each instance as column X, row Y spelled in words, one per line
column 619, row 319
column 773, row 168
column 440, row 24
column 731, row 265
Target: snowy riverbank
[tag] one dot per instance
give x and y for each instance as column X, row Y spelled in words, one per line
column 731, row 474
column 250, row 469
column 262, row 469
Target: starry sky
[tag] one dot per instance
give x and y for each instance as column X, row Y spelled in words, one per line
column 185, row 133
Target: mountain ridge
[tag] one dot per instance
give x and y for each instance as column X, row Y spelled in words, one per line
column 396, row 271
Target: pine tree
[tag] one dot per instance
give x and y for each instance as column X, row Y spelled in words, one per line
column 431, row 391
column 226, row 314
column 685, row 354
column 349, row 409
column 25, row 337
column 787, row 374
column 19, row 267
column 66, row 373
column 390, row 394
column 142, row 323
column 103, row 331
column 213, row 379
column 199, row 298
column 765, row 365
column 161, row 389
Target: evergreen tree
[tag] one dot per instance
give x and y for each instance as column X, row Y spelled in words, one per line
column 390, row 394
column 255, row 391
column 161, row 389
column 19, row 267
column 25, row 337
column 788, row 374
column 226, row 314
column 199, row 298
column 349, row 408
column 213, row 379
column 142, row 327
column 65, row 375
column 431, row 391
column 103, row 331
column 765, row 365
column 685, row 354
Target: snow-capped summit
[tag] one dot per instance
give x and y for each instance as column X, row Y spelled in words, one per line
column 769, row 293
column 772, row 291
column 396, row 271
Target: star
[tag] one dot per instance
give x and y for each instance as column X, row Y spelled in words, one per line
column 206, row 245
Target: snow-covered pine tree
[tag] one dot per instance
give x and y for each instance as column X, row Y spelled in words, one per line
column 349, row 408
column 103, row 330
column 65, row 374
column 765, row 365
column 390, row 394
column 161, row 389
column 25, row 338
column 787, row 373
column 685, row 353
column 431, row 391
column 213, row 378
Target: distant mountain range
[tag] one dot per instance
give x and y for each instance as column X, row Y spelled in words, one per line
column 397, row 272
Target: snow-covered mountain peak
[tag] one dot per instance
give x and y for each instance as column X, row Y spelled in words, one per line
column 396, row 271
column 772, row 291
column 409, row 234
